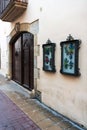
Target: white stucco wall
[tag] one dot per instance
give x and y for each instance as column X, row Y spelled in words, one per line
column 58, row 19
column 5, row 29
column 65, row 94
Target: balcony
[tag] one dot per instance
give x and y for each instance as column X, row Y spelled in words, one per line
column 10, row 10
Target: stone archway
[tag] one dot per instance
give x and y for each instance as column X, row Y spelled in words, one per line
column 14, row 33
column 24, row 27
column 23, row 59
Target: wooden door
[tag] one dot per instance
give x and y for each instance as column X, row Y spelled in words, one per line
column 17, row 60
column 23, row 60
column 28, row 60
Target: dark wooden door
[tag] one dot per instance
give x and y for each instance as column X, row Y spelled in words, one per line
column 23, row 55
column 17, row 61
column 28, row 60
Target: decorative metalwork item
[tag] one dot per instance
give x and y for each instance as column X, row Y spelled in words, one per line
column 17, row 27
column 69, row 56
column 16, row 53
column 49, row 56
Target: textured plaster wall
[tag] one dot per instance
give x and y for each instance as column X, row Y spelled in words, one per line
column 58, row 19
column 5, row 29
column 65, row 94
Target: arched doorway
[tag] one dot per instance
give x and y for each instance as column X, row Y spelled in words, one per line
column 23, row 59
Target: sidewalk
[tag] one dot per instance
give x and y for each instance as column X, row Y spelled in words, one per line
column 42, row 117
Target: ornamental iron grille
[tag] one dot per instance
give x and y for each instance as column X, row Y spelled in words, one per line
column 69, row 56
column 49, row 56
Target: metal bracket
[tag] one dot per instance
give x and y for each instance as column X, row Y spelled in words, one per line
column 69, row 38
column 48, row 41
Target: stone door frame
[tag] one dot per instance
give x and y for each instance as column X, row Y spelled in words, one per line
column 32, row 28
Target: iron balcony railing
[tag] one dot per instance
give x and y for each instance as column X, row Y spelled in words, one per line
column 5, row 3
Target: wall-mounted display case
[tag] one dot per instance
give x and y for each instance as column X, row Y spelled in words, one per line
column 49, row 57
column 70, row 57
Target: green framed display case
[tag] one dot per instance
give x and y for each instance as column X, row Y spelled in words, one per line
column 49, row 57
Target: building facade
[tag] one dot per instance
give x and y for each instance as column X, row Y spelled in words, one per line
column 23, row 58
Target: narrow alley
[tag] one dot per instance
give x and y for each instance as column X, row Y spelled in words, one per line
column 19, row 112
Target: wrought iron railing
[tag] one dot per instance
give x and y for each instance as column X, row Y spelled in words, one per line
column 5, row 3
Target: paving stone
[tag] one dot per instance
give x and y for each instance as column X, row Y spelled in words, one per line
column 64, row 124
column 56, row 119
column 54, row 127
column 47, row 113
column 28, row 108
column 45, row 123
column 37, row 116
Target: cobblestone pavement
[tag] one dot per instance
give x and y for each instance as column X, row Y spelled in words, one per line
column 20, row 112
